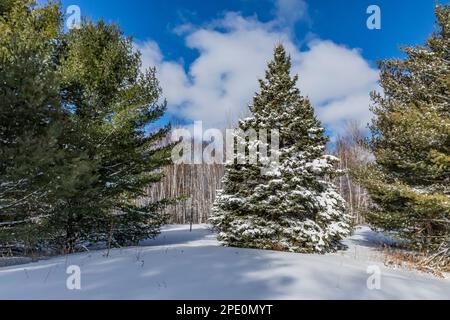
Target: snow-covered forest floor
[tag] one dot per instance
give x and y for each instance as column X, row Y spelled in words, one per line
column 191, row 265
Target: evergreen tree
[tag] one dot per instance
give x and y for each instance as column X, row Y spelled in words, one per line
column 112, row 104
column 292, row 206
column 31, row 117
column 409, row 183
column 76, row 114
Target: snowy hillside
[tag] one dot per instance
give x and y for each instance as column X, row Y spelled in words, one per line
column 191, row 265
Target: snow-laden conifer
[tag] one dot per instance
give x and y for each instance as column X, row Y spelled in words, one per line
column 292, row 206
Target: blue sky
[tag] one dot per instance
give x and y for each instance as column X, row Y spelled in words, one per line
column 403, row 21
column 195, row 44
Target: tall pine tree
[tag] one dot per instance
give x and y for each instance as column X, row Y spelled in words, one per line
column 32, row 164
column 409, row 183
column 112, row 105
column 292, row 206
column 77, row 147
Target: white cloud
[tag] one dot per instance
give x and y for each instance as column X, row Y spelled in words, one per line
column 289, row 12
column 233, row 54
column 338, row 81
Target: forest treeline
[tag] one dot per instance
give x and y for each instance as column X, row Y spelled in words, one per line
column 196, row 185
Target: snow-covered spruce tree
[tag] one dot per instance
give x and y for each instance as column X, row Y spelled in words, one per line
column 409, row 182
column 293, row 206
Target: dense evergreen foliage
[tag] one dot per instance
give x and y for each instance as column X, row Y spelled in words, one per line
column 76, row 151
column 292, row 206
column 410, row 181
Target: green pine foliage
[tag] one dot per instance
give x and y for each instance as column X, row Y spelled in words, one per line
column 293, row 206
column 31, row 117
column 76, row 132
column 409, row 183
column 111, row 103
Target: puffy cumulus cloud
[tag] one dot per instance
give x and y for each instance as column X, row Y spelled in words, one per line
column 338, row 81
column 233, row 52
column 172, row 77
column 289, row 12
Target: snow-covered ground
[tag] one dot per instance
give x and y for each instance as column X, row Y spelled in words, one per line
column 191, row 265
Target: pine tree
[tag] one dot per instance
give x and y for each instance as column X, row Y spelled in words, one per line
column 31, row 118
column 77, row 141
column 113, row 104
column 409, row 183
column 292, row 206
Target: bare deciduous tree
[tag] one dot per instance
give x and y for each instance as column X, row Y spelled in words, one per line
column 196, row 185
column 352, row 151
